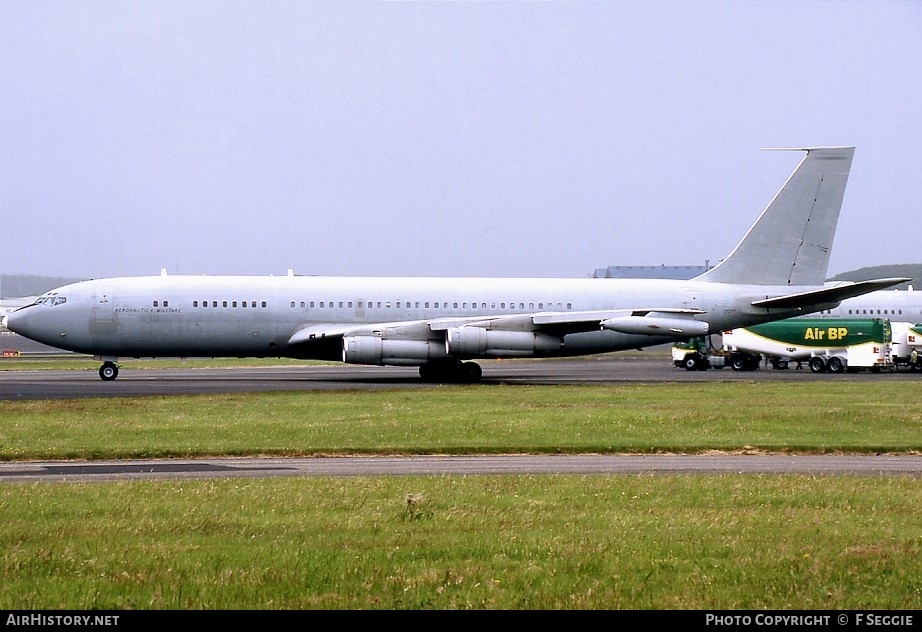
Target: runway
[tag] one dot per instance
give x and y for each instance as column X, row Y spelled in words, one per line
column 588, row 464
column 607, row 369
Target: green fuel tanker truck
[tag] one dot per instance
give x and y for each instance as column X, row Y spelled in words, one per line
column 825, row 344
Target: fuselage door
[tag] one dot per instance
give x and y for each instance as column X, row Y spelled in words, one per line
column 103, row 308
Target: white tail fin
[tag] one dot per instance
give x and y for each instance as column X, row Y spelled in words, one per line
column 790, row 242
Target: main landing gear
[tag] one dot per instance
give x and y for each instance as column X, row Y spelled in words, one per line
column 108, row 371
column 450, row 371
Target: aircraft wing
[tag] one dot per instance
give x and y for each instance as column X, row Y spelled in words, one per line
column 832, row 294
column 651, row 321
column 666, row 321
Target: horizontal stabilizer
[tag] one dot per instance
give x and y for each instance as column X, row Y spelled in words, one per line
column 831, row 294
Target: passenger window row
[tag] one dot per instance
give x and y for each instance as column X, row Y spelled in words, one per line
column 885, row 311
column 428, row 305
column 224, row 304
column 474, row 305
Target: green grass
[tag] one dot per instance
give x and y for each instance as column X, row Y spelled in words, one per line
column 493, row 542
column 481, row 542
column 688, row 417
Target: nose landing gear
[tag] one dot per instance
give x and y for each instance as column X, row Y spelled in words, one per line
column 108, row 371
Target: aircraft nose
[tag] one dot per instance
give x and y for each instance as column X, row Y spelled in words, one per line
column 21, row 322
column 7, row 321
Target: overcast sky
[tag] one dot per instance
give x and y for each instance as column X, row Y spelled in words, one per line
column 443, row 138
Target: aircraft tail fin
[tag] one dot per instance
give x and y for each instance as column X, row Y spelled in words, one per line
column 790, row 242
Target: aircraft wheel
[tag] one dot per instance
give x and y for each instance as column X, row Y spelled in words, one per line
column 817, row 364
column 835, row 365
column 108, row 371
column 471, row 371
column 431, row 372
column 450, row 371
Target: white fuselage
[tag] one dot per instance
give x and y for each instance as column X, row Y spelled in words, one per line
column 893, row 305
column 203, row 316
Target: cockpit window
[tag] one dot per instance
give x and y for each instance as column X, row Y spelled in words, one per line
column 51, row 299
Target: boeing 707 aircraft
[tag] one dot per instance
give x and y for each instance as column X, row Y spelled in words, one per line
column 442, row 325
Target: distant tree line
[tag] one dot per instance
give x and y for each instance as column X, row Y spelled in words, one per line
column 911, row 270
column 19, row 285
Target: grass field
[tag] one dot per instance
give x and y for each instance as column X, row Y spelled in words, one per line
column 458, row 542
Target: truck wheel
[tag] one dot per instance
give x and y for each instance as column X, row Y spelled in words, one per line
column 691, row 363
column 738, row 363
column 779, row 365
column 835, row 365
column 817, row 364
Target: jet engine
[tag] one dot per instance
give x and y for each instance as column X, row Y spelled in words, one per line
column 478, row 341
column 375, row 350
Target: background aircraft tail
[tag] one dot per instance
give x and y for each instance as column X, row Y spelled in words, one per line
column 791, row 241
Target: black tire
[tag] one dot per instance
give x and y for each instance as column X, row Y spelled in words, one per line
column 108, row 371
column 738, row 363
column 690, row 363
column 780, row 365
column 450, row 372
column 431, row 372
column 817, row 364
column 471, row 371
column 835, row 365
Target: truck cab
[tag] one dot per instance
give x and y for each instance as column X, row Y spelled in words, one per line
column 699, row 354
